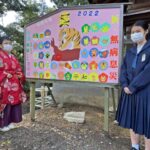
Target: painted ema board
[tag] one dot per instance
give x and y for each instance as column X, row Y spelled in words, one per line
column 80, row 44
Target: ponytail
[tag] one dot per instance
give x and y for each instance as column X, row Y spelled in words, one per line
column 148, row 34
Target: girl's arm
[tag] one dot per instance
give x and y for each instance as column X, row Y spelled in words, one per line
column 3, row 74
column 141, row 80
column 123, row 73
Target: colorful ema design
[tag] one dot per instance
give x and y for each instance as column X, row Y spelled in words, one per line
column 68, row 76
column 76, row 64
column 85, row 28
column 103, row 53
column 46, row 34
column 103, row 65
column 94, row 52
column 76, row 76
column 84, row 53
column 75, row 45
column 96, row 27
column 103, row 41
column 84, row 65
column 85, row 40
column 103, row 78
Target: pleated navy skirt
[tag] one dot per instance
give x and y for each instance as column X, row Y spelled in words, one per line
column 134, row 112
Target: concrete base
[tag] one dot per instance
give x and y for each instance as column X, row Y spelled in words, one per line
column 69, row 93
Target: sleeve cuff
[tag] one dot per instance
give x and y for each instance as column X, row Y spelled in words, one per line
column 124, row 85
column 132, row 89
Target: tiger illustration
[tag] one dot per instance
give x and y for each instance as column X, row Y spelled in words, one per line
column 69, row 45
column 69, row 38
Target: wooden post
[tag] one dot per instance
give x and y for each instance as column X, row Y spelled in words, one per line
column 118, row 95
column 32, row 101
column 113, row 98
column 106, row 110
column 42, row 97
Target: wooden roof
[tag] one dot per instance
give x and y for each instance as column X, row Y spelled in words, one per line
column 107, row 1
column 138, row 10
column 130, row 18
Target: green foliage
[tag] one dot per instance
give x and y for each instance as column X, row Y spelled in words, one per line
column 27, row 13
column 16, row 5
column 15, row 30
column 61, row 3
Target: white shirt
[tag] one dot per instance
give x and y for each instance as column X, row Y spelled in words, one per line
column 139, row 48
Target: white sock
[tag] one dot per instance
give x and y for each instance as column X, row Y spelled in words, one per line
column 137, row 146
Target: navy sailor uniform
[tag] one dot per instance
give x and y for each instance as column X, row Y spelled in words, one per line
column 134, row 109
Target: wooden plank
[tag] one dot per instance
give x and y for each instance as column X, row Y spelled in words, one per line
column 107, row 1
column 42, row 96
column 32, row 101
column 114, row 100
column 79, row 83
column 106, row 110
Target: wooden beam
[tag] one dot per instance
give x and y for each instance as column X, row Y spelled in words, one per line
column 106, row 110
column 107, row 1
column 32, row 101
column 139, row 7
column 131, row 18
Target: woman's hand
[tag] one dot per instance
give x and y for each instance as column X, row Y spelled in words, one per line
column 19, row 76
column 127, row 90
column 9, row 75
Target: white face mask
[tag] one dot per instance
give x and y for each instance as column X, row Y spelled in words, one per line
column 7, row 47
column 137, row 37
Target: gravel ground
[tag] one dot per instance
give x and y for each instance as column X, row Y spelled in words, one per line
column 51, row 132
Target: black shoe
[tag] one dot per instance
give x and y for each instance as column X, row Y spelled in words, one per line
column 134, row 148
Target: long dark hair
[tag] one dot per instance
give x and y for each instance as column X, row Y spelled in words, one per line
column 144, row 24
column 4, row 38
